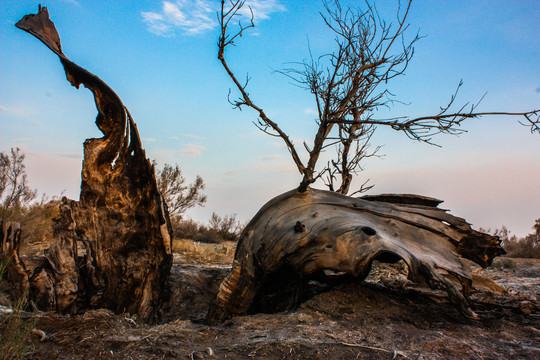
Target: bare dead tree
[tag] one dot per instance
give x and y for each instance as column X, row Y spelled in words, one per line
column 349, row 85
column 14, row 189
column 178, row 195
column 300, row 233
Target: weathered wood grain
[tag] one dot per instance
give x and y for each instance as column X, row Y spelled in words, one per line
column 304, row 233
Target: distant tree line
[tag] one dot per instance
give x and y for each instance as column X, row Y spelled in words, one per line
column 219, row 229
column 19, row 202
column 525, row 247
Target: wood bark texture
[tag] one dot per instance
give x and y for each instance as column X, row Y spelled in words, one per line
column 296, row 236
column 121, row 223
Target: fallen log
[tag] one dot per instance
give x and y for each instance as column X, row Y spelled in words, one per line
column 120, row 223
column 302, row 236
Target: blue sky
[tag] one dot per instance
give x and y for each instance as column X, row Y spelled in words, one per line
column 160, row 58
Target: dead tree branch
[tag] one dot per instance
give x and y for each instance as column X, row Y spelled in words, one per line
column 225, row 39
column 349, row 86
column 531, row 121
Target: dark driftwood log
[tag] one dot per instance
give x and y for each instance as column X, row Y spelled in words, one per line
column 121, row 220
column 298, row 235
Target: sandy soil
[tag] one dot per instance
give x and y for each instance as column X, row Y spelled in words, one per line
column 382, row 318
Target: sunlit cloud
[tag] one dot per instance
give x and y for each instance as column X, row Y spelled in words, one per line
column 198, row 16
column 73, row 2
column 149, row 139
column 270, row 157
column 192, row 150
column 191, row 136
column 13, row 110
column 68, row 155
column 51, row 156
column 261, row 8
column 278, row 144
column 192, row 17
column 310, row 111
column 235, row 172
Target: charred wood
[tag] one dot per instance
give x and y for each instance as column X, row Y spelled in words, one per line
column 120, row 221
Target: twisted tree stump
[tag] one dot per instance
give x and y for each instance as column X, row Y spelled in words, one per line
column 121, row 220
column 296, row 236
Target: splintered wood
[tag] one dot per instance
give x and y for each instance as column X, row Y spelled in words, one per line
column 121, row 221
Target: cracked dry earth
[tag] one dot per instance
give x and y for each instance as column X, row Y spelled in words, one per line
column 381, row 318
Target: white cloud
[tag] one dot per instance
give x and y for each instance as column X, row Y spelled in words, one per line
column 72, row 2
column 270, row 157
column 191, row 136
column 199, row 16
column 278, row 144
column 192, row 17
column 69, row 155
column 235, row 171
column 156, row 24
column 261, row 8
column 149, row 139
column 13, row 110
column 192, row 150
column 310, row 111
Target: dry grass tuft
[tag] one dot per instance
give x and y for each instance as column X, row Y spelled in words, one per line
column 190, row 252
column 16, row 329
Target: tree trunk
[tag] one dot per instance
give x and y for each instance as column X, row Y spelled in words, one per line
column 297, row 235
column 121, row 221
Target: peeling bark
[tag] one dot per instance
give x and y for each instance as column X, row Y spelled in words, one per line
column 121, row 221
column 296, row 236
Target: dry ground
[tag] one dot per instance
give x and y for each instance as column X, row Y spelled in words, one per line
column 382, row 318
